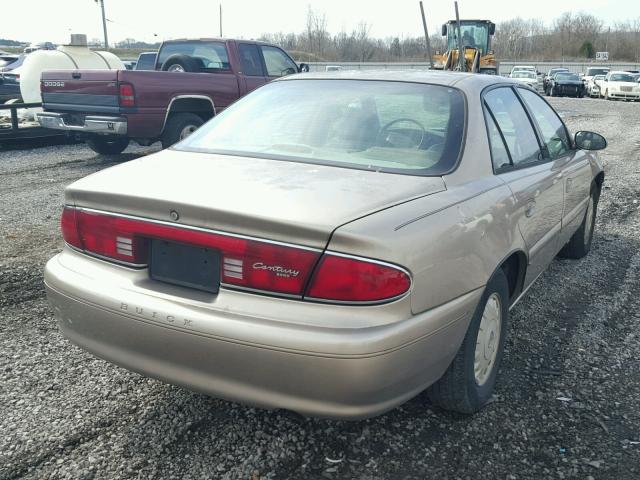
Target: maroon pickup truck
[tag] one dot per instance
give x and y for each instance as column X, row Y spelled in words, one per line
column 193, row 81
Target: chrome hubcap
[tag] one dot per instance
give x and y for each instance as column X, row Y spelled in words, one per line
column 175, row 68
column 588, row 227
column 186, row 131
column 488, row 339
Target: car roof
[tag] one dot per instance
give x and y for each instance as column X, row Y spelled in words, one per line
column 620, row 71
column 436, row 77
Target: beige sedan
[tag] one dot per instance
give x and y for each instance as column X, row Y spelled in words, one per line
column 331, row 244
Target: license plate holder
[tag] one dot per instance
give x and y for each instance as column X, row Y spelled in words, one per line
column 185, row 265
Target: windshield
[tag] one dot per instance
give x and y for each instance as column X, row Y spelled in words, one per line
column 566, row 76
column 621, row 77
column 598, row 77
column 523, row 74
column 474, row 35
column 597, row 71
column 373, row 125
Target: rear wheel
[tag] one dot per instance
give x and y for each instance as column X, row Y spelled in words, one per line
column 180, row 126
column 580, row 242
column 468, row 383
column 105, row 145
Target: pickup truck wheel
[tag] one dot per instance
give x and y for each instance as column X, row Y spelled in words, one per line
column 108, row 145
column 180, row 126
column 580, row 242
column 468, row 383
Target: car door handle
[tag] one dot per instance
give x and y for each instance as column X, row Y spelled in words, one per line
column 530, row 209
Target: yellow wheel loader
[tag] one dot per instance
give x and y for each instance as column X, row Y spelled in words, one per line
column 473, row 37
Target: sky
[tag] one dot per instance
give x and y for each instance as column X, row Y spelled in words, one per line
column 153, row 20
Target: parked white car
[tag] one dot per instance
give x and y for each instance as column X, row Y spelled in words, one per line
column 620, row 84
column 594, row 86
column 518, row 68
column 592, row 72
column 527, row 77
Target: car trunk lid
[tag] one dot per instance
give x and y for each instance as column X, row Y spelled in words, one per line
column 278, row 200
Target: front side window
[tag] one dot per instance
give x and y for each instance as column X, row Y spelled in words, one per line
column 373, row 125
column 514, row 124
column 278, row 63
column 554, row 133
column 211, row 55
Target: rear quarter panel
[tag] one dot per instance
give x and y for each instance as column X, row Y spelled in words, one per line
column 154, row 91
column 451, row 242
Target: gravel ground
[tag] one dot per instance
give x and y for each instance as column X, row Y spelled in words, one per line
column 567, row 404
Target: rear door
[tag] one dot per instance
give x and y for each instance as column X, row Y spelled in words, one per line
column 534, row 179
column 575, row 166
column 252, row 74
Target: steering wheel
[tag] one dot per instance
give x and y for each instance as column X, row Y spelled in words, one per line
column 387, row 135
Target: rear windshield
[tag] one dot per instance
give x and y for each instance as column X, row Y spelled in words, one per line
column 373, row 125
column 523, row 74
column 597, row 71
column 212, row 55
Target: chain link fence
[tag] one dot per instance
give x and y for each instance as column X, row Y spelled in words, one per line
column 505, row 66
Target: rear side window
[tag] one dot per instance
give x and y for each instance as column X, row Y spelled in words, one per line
column 250, row 60
column 278, row 63
column 499, row 153
column 212, row 55
column 513, row 122
column 554, row 133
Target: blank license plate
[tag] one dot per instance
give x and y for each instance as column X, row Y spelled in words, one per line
column 185, row 265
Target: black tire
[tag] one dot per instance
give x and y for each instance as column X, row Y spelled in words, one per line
column 580, row 242
column 176, row 125
column 108, row 145
column 458, row 389
column 182, row 63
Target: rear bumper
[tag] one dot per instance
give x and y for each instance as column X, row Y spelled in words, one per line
column 91, row 124
column 326, row 372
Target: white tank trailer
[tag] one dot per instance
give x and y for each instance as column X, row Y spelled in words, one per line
column 74, row 56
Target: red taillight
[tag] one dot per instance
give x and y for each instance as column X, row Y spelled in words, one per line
column 69, row 227
column 243, row 262
column 127, row 95
column 347, row 279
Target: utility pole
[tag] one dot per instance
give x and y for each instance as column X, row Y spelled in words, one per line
column 220, row 20
column 426, row 36
column 104, row 24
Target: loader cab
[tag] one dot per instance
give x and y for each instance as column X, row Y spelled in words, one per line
column 475, row 34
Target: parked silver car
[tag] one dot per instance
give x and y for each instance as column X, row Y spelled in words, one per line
column 332, row 244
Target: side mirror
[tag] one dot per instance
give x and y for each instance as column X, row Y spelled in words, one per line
column 303, row 67
column 492, row 28
column 590, row 141
column 606, row 79
column 444, row 30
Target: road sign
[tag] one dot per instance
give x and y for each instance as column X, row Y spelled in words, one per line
column 602, row 56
